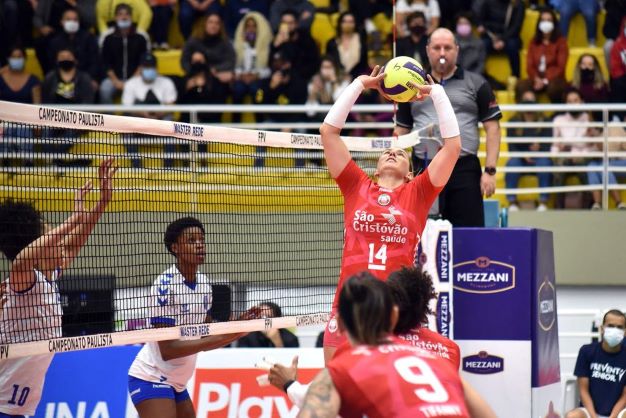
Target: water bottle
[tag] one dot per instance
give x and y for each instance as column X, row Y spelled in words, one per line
column 504, row 217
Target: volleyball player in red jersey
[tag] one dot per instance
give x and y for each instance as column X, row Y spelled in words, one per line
column 379, row 375
column 383, row 218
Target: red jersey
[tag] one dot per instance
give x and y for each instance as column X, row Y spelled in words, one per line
column 396, row 380
column 382, row 226
column 434, row 343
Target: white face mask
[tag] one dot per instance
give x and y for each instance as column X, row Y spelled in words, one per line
column 613, row 336
column 546, row 26
column 71, row 26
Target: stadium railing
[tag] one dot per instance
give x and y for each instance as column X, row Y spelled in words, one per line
column 607, row 145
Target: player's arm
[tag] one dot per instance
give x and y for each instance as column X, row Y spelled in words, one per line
column 492, row 132
column 476, row 405
column 335, row 151
column 322, row 399
column 440, row 168
column 172, row 349
column 620, row 405
column 585, row 396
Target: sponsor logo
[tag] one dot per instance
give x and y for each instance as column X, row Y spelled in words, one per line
column 303, row 139
column 71, row 117
column 186, row 129
column 443, row 314
column 158, row 386
column 313, row 319
column 391, row 230
column 384, row 199
column 268, row 323
column 604, row 371
column 4, row 351
column 483, row 363
column 546, row 297
column 332, row 325
column 261, row 137
column 484, row 275
column 443, row 256
column 201, row 330
column 381, row 143
column 80, row 409
column 136, row 391
column 83, row 342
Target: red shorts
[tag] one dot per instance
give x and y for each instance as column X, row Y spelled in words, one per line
column 332, row 336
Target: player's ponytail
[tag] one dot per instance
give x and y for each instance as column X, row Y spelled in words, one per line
column 365, row 306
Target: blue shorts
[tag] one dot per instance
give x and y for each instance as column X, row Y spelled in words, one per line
column 3, row 415
column 141, row 390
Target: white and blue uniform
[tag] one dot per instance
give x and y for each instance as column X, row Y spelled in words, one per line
column 172, row 302
column 32, row 315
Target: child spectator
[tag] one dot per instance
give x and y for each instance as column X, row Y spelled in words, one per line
column 349, row 47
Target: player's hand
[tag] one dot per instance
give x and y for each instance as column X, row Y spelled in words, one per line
column 252, row 313
column 373, row 80
column 106, row 171
column 279, row 374
column 487, row 184
column 423, row 90
column 79, row 197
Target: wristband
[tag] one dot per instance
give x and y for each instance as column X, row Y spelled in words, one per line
column 448, row 125
column 287, row 384
column 338, row 114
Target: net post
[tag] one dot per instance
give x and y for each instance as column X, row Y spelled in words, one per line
column 605, row 160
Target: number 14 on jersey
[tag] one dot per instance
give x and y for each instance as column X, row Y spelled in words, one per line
column 377, row 257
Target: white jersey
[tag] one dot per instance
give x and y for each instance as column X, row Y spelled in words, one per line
column 32, row 315
column 172, row 302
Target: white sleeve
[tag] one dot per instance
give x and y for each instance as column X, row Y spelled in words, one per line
column 128, row 93
column 171, row 94
column 296, row 393
column 434, row 11
column 162, row 302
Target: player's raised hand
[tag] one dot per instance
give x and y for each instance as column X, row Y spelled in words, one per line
column 79, row 197
column 252, row 313
column 106, row 171
column 423, row 90
column 279, row 375
column 373, row 80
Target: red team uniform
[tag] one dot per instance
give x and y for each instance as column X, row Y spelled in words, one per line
column 382, row 228
column 434, row 343
column 396, row 380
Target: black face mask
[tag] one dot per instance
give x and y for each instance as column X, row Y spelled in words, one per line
column 418, row 30
column 198, row 67
column 66, row 65
column 587, row 75
column 574, row 114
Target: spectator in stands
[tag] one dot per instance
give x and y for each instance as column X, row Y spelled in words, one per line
column 326, row 86
column 617, row 67
column 122, row 50
column 589, row 81
column 252, row 46
column 600, row 368
column 16, row 84
column 472, row 54
column 414, row 44
column 107, row 16
column 235, row 10
column 512, row 179
column 17, row 22
column 461, row 201
column 349, row 47
column 162, row 12
column 430, row 8
column 67, row 84
column 216, row 48
column 572, row 126
column 499, row 24
column 201, row 87
column 285, row 86
column 150, row 88
column 546, row 59
column 303, row 11
column 81, row 41
column 615, row 12
column 376, row 17
column 595, row 177
column 272, row 337
column 296, row 46
column 190, row 10
column 452, row 8
column 588, row 8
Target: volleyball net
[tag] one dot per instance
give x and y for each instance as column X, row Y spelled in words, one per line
column 272, row 215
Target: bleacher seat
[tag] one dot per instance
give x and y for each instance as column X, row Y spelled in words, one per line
column 168, row 62
column 323, row 29
column 577, row 36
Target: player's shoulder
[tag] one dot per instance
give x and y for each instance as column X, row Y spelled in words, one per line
column 167, row 278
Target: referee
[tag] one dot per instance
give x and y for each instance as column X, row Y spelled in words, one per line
column 461, row 201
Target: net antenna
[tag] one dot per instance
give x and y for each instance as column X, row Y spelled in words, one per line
column 273, row 219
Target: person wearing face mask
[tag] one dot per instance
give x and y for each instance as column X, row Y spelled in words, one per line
column 78, row 39
column 601, row 372
column 201, row 87
column 589, row 80
column 16, row 84
column 414, row 44
column 252, row 47
column 349, row 47
column 499, row 24
column 472, row 54
column 546, row 59
column 122, row 50
column 107, row 17
column 430, row 8
column 67, row 84
column 326, row 86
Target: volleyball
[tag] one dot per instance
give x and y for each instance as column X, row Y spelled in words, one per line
column 399, row 71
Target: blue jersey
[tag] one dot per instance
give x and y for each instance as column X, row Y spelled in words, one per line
column 606, row 373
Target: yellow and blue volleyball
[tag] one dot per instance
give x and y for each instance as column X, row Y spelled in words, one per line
column 399, row 71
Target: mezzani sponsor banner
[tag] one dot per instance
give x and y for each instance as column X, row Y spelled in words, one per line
column 83, row 342
column 483, row 363
column 484, row 275
column 443, row 314
column 444, row 256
